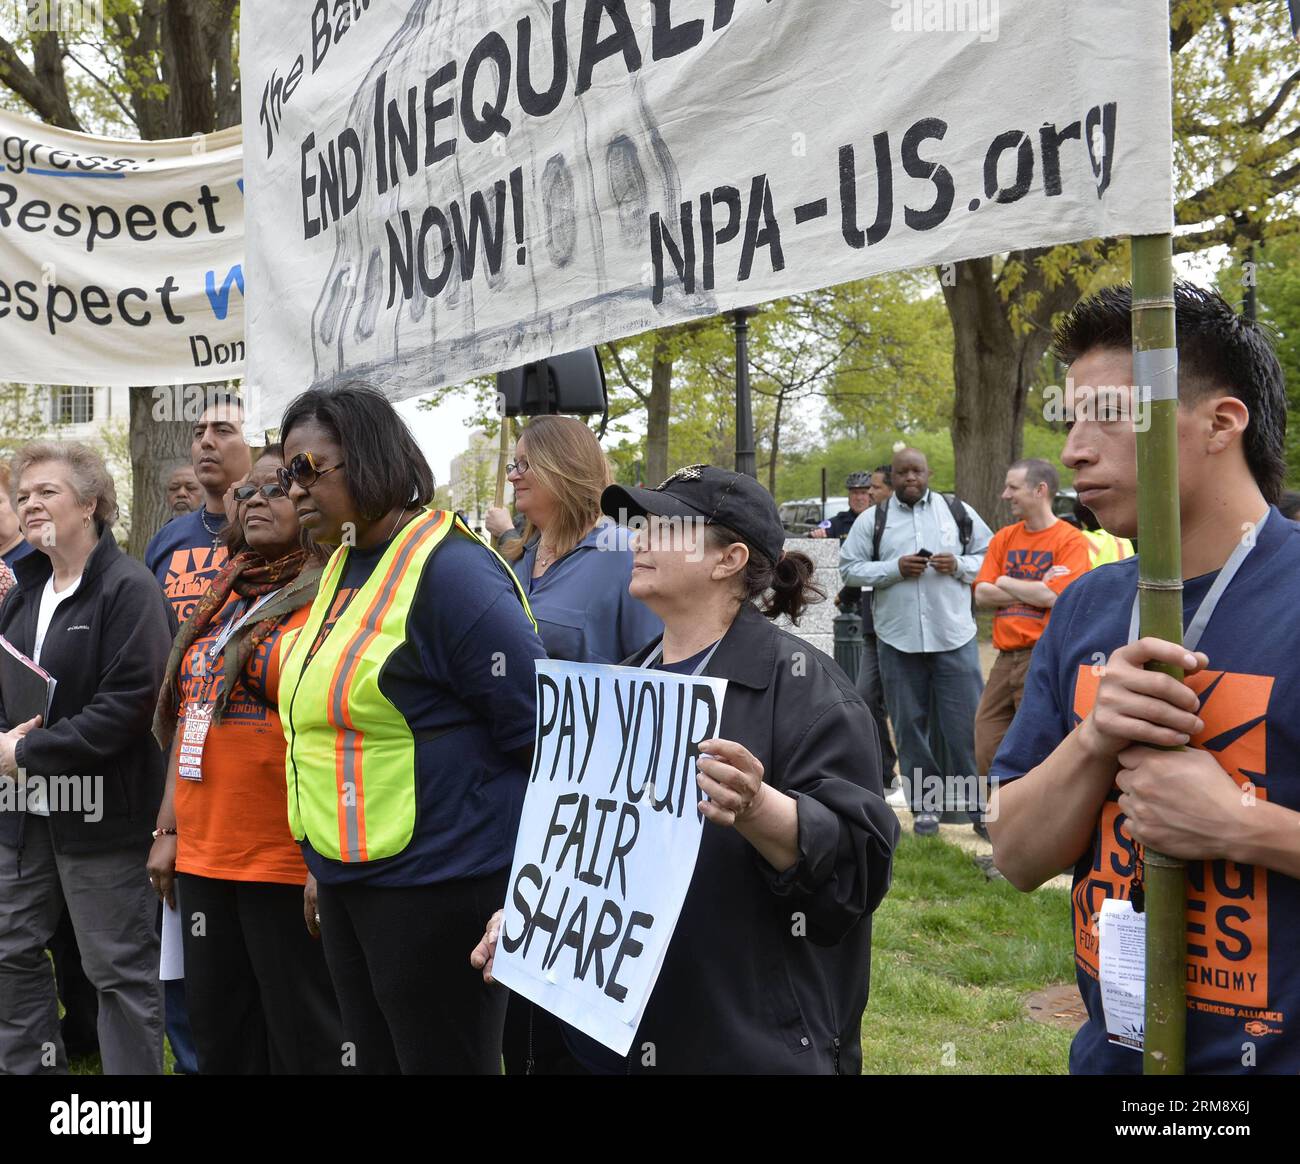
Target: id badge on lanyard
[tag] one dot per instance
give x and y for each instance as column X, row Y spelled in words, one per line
column 194, row 732
column 198, row 717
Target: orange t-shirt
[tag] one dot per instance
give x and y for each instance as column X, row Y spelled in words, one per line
column 233, row 825
column 1056, row 556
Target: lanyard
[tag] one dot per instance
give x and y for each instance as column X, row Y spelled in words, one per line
column 229, row 631
column 1205, row 612
column 658, row 653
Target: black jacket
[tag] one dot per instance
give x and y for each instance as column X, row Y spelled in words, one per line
column 107, row 646
column 850, row 597
column 766, row 972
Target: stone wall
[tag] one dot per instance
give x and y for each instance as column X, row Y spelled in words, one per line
column 817, row 626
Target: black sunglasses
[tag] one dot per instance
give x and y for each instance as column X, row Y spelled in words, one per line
column 302, row 470
column 271, row 491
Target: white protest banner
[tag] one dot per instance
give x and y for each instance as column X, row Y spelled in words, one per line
column 121, row 262
column 441, row 188
column 607, row 843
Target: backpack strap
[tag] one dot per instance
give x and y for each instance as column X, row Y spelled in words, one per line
column 879, row 532
column 965, row 526
column 960, row 514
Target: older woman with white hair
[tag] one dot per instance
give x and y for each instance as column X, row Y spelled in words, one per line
column 82, row 785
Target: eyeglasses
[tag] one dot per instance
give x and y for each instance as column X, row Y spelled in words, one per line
column 302, row 470
column 271, row 491
column 520, row 467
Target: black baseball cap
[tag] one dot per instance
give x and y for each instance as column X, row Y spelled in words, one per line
column 719, row 496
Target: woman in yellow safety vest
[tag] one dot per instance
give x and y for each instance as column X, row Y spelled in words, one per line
column 408, row 711
column 1103, row 545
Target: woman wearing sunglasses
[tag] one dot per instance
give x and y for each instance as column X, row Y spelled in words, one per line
column 260, row 997
column 408, row 712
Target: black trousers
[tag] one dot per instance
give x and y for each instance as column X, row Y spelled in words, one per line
column 534, row 1042
column 260, row 997
column 411, row 1002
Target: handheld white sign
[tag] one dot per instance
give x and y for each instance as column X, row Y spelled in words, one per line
column 607, row 843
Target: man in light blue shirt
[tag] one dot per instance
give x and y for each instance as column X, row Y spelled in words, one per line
column 921, row 601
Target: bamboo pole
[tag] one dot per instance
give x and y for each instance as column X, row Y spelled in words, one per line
column 502, row 458
column 1155, row 377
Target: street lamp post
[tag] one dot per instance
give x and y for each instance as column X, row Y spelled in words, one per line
column 745, row 458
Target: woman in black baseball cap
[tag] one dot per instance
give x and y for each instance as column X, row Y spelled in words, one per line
column 768, row 967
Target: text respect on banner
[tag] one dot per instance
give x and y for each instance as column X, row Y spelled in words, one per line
column 121, row 262
column 607, row 843
column 443, row 188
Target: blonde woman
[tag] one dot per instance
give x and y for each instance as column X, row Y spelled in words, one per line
column 574, row 563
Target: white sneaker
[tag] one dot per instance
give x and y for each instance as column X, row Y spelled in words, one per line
column 896, row 798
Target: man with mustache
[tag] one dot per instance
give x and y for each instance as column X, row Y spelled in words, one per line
column 184, row 494
column 185, row 555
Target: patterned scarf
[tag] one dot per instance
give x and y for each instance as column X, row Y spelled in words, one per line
column 250, row 576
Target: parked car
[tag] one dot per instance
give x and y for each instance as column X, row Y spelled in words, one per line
column 1063, row 505
column 798, row 517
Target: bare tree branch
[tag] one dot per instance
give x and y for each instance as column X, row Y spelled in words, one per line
column 43, row 88
column 112, row 93
column 644, row 397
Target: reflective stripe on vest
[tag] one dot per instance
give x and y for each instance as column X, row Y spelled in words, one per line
column 350, row 754
column 1106, row 547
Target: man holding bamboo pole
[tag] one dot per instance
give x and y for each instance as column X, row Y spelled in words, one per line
column 1082, row 779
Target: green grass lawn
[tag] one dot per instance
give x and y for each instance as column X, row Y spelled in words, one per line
column 953, row 956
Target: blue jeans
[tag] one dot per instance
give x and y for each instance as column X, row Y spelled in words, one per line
column 952, row 683
column 178, row 1028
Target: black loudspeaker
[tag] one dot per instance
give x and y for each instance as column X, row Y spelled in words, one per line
column 573, row 383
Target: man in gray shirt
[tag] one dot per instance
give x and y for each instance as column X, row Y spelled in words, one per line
column 921, row 581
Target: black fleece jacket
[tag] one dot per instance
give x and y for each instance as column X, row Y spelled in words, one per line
column 107, row 646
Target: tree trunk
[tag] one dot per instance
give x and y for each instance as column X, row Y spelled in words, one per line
column 658, row 412
column 191, row 64
column 159, row 438
column 776, row 444
column 196, row 39
column 47, row 55
column 993, row 369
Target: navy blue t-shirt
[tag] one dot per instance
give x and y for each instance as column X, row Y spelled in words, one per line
column 466, row 671
column 181, row 556
column 18, row 553
column 1243, row 922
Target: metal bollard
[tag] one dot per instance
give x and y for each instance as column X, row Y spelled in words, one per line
column 848, row 642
